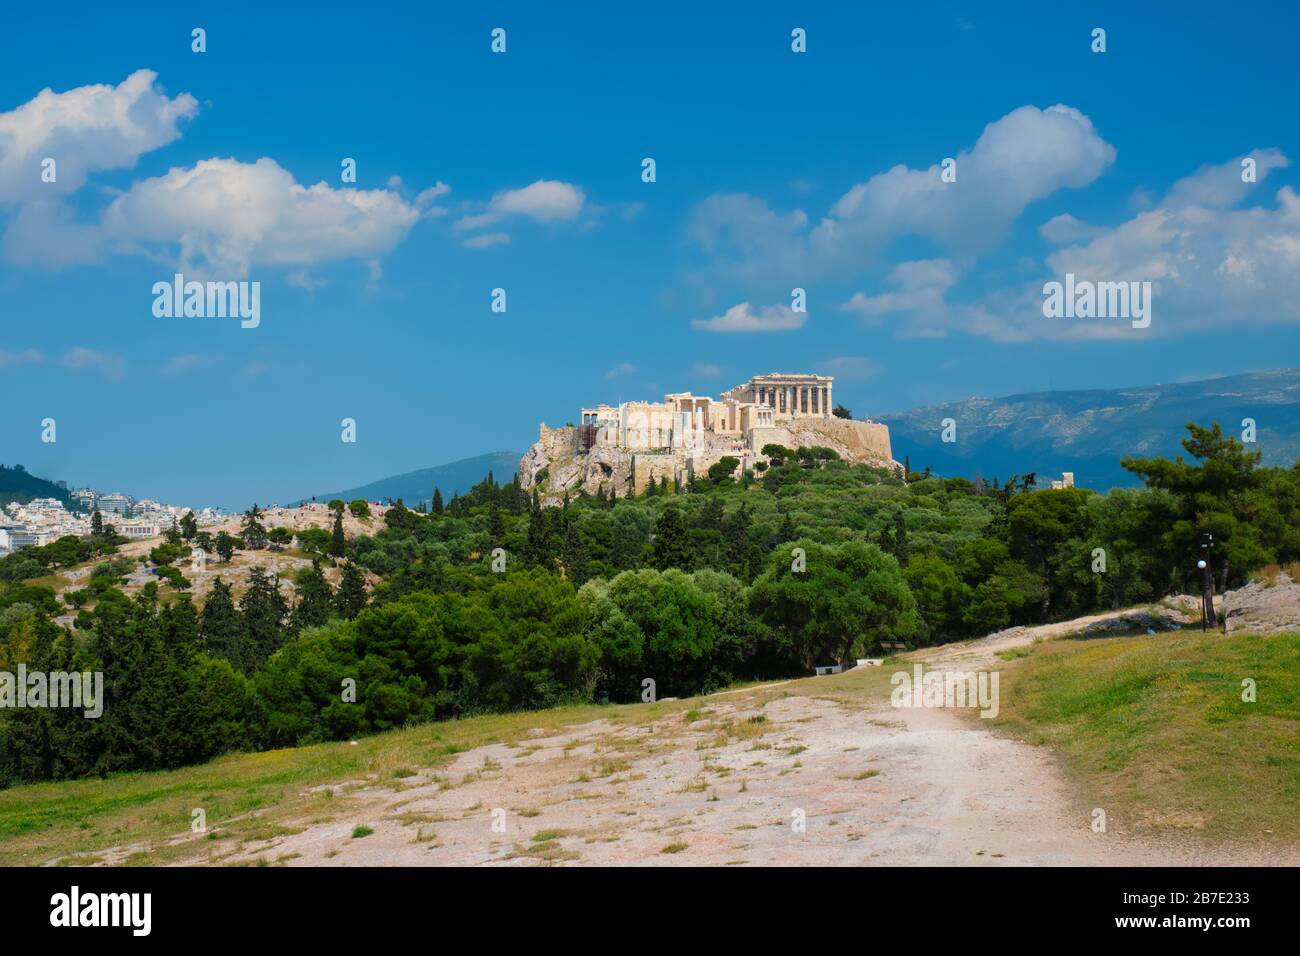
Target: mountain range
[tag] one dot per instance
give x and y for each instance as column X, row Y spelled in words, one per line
column 1086, row 432
column 1089, row 431
column 455, row 477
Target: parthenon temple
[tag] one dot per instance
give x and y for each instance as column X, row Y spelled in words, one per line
column 625, row 446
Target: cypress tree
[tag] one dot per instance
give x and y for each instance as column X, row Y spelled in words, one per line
column 672, row 546
column 574, row 554
column 351, row 596
column 338, row 543
column 221, row 631
column 437, row 507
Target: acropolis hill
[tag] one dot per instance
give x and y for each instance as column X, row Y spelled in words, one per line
column 622, row 449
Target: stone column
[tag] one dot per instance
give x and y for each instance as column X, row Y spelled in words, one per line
column 830, row 402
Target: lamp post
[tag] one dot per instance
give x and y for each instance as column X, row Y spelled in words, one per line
column 1207, row 581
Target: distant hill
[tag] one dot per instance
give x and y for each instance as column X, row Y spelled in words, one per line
column 456, row 477
column 16, row 485
column 1088, row 432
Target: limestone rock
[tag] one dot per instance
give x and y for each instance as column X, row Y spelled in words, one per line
column 1263, row 608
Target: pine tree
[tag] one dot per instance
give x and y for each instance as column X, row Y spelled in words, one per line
column 221, row 630
column 315, row 600
column 788, row 531
column 351, row 596
column 189, row 526
column 253, row 530
column 496, row 525
column 338, row 543
column 97, row 523
column 262, row 609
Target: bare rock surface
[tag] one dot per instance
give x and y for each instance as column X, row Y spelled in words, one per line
column 1263, row 607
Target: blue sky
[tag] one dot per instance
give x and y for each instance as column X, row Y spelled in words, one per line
column 522, row 171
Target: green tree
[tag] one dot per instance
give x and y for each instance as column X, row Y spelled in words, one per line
column 338, row 543
column 351, row 596
column 836, row 602
column 224, row 546
column 315, row 600
column 262, row 609
column 671, row 541
column 221, row 631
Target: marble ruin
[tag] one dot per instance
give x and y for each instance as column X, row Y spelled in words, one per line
column 625, row 447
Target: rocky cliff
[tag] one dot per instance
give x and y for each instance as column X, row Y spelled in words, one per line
column 554, row 465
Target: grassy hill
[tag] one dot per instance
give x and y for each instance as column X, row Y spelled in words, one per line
column 455, row 477
column 1088, row 432
column 1151, row 728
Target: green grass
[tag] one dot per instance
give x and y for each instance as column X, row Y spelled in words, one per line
column 359, row 832
column 1153, row 729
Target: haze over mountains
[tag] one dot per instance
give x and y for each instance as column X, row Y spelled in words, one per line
column 1084, row 431
column 1090, row 431
column 413, row 487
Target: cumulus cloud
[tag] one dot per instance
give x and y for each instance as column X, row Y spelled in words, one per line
column 221, row 217
column 546, row 200
column 1025, row 156
column 1211, row 261
column 1064, row 228
column 744, row 318
column 86, row 129
column 920, row 288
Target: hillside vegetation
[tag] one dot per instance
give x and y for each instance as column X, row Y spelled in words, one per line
column 491, row 603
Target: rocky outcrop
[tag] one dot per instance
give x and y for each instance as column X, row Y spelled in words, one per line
column 1263, row 607
column 855, row 441
column 555, row 467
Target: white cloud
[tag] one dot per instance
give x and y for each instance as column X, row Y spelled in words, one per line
column 706, row 370
column 1065, row 228
column 25, row 357
column 1025, row 156
column 546, row 200
column 1210, row 265
column 620, row 370
column 188, row 362
column 89, row 128
column 427, row 200
column 111, row 366
column 487, row 240
column 743, row 318
column 223, row 217
column 920, row 285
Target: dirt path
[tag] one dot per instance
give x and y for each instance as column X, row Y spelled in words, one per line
column 871, row 784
